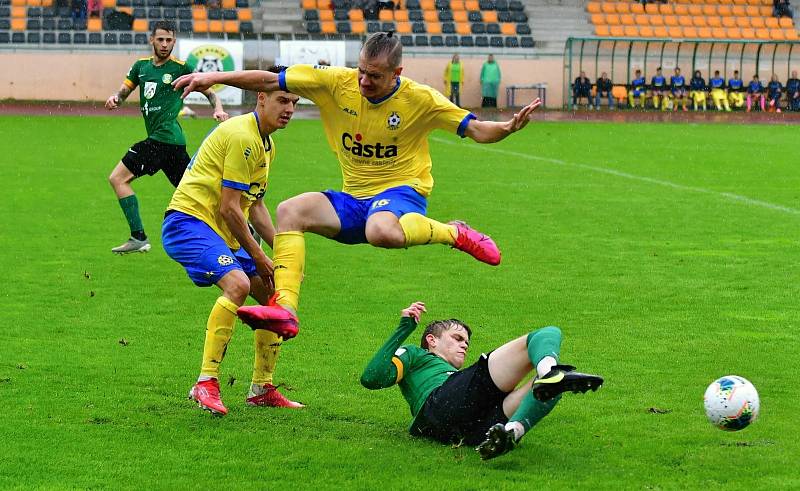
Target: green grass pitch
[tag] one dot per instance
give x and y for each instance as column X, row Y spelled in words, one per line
column 666, row 253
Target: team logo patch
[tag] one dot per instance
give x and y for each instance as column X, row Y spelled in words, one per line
column 393, row 121
column 225, row 260
column 150, row 89
column 247, row 152
column 399, row 352
column 211, row 58
column 167, row 78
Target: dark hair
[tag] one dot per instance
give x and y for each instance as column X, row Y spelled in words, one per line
column 164, row 25
column 438, row 327
column 736, row 71
column 276, row 68
column 384, row 44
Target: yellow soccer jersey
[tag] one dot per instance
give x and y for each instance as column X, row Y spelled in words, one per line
column 233, row 155
column 379, row 143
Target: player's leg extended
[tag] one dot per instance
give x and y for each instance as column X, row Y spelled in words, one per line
column 120, row 180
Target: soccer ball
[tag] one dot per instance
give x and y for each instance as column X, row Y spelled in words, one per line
column 731, row 403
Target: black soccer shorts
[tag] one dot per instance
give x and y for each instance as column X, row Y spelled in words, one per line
column 463, row 408
column 150, row 156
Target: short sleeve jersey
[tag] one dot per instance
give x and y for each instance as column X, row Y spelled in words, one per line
column 717, row 83
column 233, row 155
column 735, row 84
column 159, row 103
column 658, row 82
column 379, row 143
column 677, row 82
column 419, row 373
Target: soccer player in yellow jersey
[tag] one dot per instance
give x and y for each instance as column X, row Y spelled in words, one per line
column 377, row 123
column 205, row 230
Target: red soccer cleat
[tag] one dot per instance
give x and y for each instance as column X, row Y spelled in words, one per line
column 206, row 394
column 476, row 244
column 273, row 398
column 272, row 317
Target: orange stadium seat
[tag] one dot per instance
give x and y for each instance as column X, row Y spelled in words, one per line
column 403, row 27
column 626, row 20
column 709, row 10
column 324, row 4
column 456, row 4
column 762, row 34
column 598, row 19
column 598, row 30
column 593, row 7
column 685, row 20
column 460, row 16
column 724, row 10
column 704, row 32
column 430, row 16
column 230, row 26
column 508, row 29
column 675, row 32
column 683, row 1
column 740, row 2
column 127, row 10
column 714, row 21
column 690, row 32
column 776, row 34
column 490, row 16
column 651, row 9
column 666, row 9
column 637, row 8
column 752, row 11
column 326, row 15
column 757, row 22
column 616, row 31
column 646, row 31
column 772, row 22
column 748, row 33
column 695, row 10
column 623, row 8
column 201, row 26
column 427, row 4
column 229, row 4
column 681, row 9
column 660, row 32
column 472, row 5
column 728, row 21
column 140, row 25
column 109, row 4
column 699, row 21
column 718, row 33
column 733, row 33
column 18, row 13
column 785, row 22
column 608, row 8
column 246, row 14
column 18, row 24
column 765, row 11
column 463, row 28
column 670, row 20
column 631, row 31
column 199, row 13
column 434, row 28
column 47, row 3
column 358, row 27
column 400, row 15
column 612, row 19
column 328, row 27
column 743, row 22
column 34, row 3
column 656, row 20
column 642, row 20
column 356, row 15
column 738, row 11
column 309, row 4
column 385, row 15
column 94, row 25
column 790, row 34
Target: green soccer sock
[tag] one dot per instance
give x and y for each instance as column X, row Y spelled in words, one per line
column 130, row 207
column 532, row 410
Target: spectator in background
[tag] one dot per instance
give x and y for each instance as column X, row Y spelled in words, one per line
column 453, row 78
column 755, row 91
column 78, row 9
column 370, row 9
column 385, row 4
column 580, row 89
column 95, row 8
column 718, row 94
column 658, row 89
column 490, row 82
column 638, row 90
column 793, row 92
column 782, row 8
column 678, row 88
column 604, row 87
column 697, row 88
column 736, row 90
column 774, row 92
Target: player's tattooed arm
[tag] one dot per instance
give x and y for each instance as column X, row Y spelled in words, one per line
column 117, row 98
column 219, row 113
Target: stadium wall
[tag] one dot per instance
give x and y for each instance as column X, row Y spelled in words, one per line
column 93, row 75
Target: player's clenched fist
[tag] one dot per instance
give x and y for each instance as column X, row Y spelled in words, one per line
column 415, row 311
column 112, row 102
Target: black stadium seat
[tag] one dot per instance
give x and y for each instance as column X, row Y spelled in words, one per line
column 512, row 42
column 64, row 38
column 246, row 27
column 504, row 17
column 519, row 17
column 418, row 28
column 446, row 16
column 341, row 15
column 49, row 38
column 496, row 41
column 242, row 4
column 437, row 41
column 343, row 27
column 448, row 28
column 5, row 38
column 312, row 27
column 49, row 12
column 373, row 27
column 478, row 28
column 34, row 38
column 516, row 6
column 155, row 13
column 138, row 3
column 185, row 26
column 467, row 42
column 501, row 5
column 153, row 3
column 34, row 12
column 110, row 38
column 481, row 41
column 406, row 40
column 526, row 42
column 413, row 15
column 48, row 24
column 184, row 14
column 214, row 14
column 451, row 41
column 442, row 4
column 34, row 24
column 523, row 29
column 421, row 40
column 169, row 13
column 123, row 3
column 18, row 37
column 5, row 12
column 474, row 16
column 229, row 14
column 140, row 38
column 388, row 26
column 79, row 25
column 487, row 5
column 79, row 38
column 311, row 15
column 5, row 25
column 64, row 25
column 126, row 38
column 139, row 13
column 492, row 28
column 95, row 38
column 412, row 5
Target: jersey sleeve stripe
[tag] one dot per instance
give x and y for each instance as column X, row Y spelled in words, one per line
column 235, row 185
column 128, row 83
column 282, row 81
column 399, row 365
column 462, row 128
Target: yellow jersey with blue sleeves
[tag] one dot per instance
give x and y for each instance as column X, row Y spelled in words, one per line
column 383, row 143
column 233, row 155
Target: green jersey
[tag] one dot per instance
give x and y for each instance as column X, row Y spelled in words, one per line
column 160, row 104
column 415, row 370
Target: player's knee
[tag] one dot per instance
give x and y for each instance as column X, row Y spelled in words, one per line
column 544, row 332
column 238, row 289
column 290, row 216
column 385, row 235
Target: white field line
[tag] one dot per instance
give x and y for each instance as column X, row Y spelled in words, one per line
column 604, row 170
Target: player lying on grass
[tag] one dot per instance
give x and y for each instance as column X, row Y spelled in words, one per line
column 481, row 405
column 165, row 146
column 377, row 123
column 205, row 230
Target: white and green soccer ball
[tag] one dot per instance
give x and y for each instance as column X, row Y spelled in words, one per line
column 731, row 403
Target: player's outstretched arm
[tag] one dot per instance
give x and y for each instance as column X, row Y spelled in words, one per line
column 219, row 113
column 494, row 131
column 381, row 372
column 114, row 100
column 255, row 80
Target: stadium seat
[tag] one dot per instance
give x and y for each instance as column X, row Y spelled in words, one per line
column 738, row 11
column 79, row 38
column 184, row 14
column 478, row 28
column 373, row 27
column 229, row 14
column 34, row 24
column 407, row 40
column 646, row 31
column 523, row 29
column 355, row 15
column 757, row 22
column 496, row 41
column 671, row 20
column 704, row 32
column 5, row 11
column 343, row 27
column 49, row 38
column 412, row 4
column 501, row 5
column 762, row 34
column 420, row 40
column 593, row 7
column 427, row 5
column 748, row 33
column 451, row 41
column 608, row 8
column 246, row 27
column 48, row 24
column 5, row 37
column 403, row 27
column 511, row 42
column 507, row 29
column 626, row 19
column 631, row 31
column 728, row 21
column 681, row 9
column 341, row 15
column 358, row 27
column 481, row 42
column 482, row 5
column 138, row 3
column 474, row 5
column 448, row 28
column 785, row 22
column 140, row 25
column 492, row 29
column 230, row 26
column 442, row 4
column 733, row 33
column 94, row 38
column 790, row 34
column 434, row 28
column 714, row 21
column 743, row 22
column 140, row 38
column 34, row 12
column 695, row 10
column 110, row 38
column 446, row 16
column 526, row 42
column 675, row 32
column 126, row 38
column 17, row 37
column 17, row 24
column 437, row 41
column 5, row 24
column 430, row 16
column 185, row 26
column 457, row 5
column 718, row 33
column 666, row 9
column 698, row 21
column 622, row 8
column 612, row 19
column 519, row 17
column 170, row 13
column 33, row 38
column 328, row 27
column 389, row 26
column 656, row 20
column 601, row 30
column 491, row 16
column 776, row 34
column 213, row 14
column 724, row 10
column 200, row 26
column 466, row 41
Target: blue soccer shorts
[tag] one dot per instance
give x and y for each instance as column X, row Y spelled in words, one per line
column 200, row 250
column 353, row 213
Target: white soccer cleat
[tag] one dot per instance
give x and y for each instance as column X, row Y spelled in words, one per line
column 132, row 245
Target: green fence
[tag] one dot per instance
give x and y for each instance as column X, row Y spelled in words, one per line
column 620, row 57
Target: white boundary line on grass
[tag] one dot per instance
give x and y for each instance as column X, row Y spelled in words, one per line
column 604, row 170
